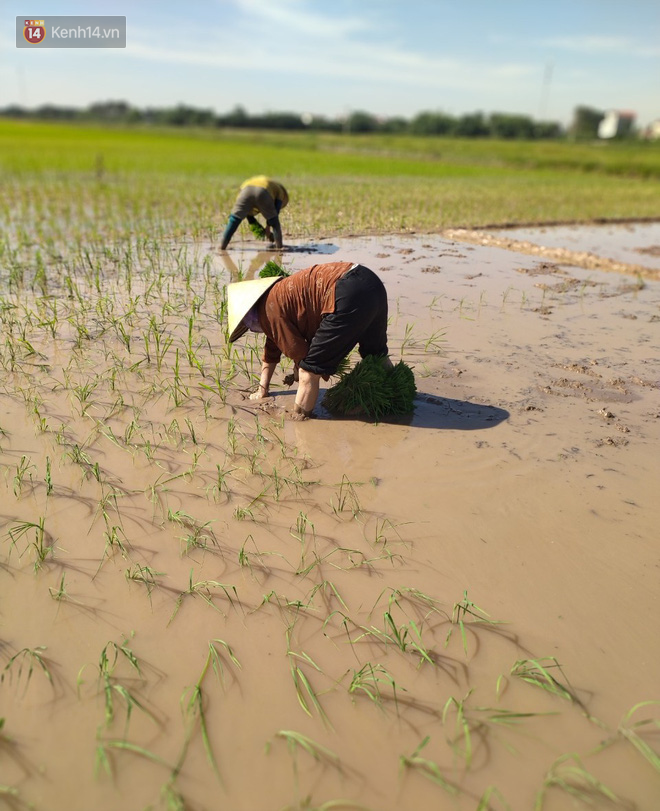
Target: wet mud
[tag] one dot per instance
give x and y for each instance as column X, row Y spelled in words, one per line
column 204, row 604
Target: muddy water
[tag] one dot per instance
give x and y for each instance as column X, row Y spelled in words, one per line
column 632, row 243
column 240, row 580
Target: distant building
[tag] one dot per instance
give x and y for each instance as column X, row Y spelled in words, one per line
column 652, row 130
column 616, row 124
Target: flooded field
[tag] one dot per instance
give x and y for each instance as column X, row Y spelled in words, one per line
column 633, row 243
column 206, row 605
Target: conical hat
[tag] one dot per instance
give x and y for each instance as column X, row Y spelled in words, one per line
column 241, row 297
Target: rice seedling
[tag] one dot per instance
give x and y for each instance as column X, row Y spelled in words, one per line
column 300, row 534
column 296, row 742
column 241, row 513
column 461, row 742
column 102, row 755
column 272, row 268
column 407, row 638
column 328, row 589
column 427, row 768
column 485, row 801
column 568, row 774
column 145, row 575
column 49, row 480
column 631, row 732
column 193, row 707
column 307, row 696
column 27, row 659
column 204, row 589
column 113, row 688
column 637, row 733
column 380, row 531
column 23, row 469
column 42, row 544
column 82, row 393
column 466, row 608
column 60, row 593
column 347, row 497
column 369, row 680
column 217, row 658
column 538, row 672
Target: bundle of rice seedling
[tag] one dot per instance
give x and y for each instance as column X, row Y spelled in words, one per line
column 372, row 390
column 271, row 268
column 258, row 230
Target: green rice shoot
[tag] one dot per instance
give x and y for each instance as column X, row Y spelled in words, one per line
column 258, row 230
column 372, row 390
column 272, row 268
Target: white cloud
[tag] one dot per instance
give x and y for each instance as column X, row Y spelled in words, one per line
column 293, row 15
column 590, row 44
column 329, row 50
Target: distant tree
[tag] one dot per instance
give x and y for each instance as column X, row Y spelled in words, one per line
column 585, row 122
column 472, row 125
column 14, row 111
column 359, row 121
column 428, row 123
column 394, row 125
column 278, row 121
column 109, row 111
column 236, row 118
column 319, row 122
column 184, row 116
column 50, row 111
column 502, row 125
column 547, row 129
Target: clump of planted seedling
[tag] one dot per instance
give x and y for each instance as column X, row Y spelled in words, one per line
column 272, row 268
column 42, row 543
column 193, row 704
column 427, row 768
column 372, row 390
column 25, row 661
column 466, row 612
column 206, row 589
column 569, row 775
column 113, row 689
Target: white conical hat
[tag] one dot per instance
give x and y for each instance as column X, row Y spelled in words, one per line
column 241, row 297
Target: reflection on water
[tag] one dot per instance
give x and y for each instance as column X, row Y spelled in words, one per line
column 238, row 272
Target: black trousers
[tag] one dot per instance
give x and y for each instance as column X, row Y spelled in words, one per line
column 360, row 318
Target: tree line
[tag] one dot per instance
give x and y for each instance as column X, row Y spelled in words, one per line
column 470, row 125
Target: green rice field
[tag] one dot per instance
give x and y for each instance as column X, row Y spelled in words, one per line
column 108, row 183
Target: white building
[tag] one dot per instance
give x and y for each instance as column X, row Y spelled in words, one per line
column 616, row 123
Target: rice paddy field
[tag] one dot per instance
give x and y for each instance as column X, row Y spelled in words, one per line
column 206, row 605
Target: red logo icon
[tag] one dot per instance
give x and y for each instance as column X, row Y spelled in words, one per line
column 34, row 31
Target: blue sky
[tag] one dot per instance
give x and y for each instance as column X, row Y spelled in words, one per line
column 388, row 57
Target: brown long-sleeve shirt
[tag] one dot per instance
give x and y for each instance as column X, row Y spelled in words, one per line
column 291, row 312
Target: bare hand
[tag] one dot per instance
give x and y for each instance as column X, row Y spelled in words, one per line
column 294, row 417
column 290, row 379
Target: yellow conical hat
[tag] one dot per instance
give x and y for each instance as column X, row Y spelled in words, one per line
column 241, row 297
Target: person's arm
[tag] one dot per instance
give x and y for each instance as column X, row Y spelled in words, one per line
column 307, row 394
column 267, row 371
column 274, row 224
